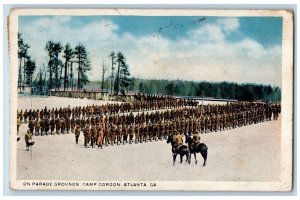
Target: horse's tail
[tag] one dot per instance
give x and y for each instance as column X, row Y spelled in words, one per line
column 204, row 154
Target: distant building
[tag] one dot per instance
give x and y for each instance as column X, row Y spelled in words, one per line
column 97, row 94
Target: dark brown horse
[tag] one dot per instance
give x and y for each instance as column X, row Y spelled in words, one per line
column 182, row 150
column 199, row 148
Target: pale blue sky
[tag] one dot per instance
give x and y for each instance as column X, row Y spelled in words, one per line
column 243, row 49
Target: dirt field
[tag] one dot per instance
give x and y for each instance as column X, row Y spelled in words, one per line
column 243, row 154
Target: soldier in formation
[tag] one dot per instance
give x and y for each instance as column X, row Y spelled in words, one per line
column 132, row 123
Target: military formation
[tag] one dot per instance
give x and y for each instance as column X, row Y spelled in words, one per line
column 144, row 120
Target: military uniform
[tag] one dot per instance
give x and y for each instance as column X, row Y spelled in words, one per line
column 196, row 139
column 87, row 136
column 77, row 133
column 100, row 137
column 28, row 138
column 31, row 125
column 18, row 124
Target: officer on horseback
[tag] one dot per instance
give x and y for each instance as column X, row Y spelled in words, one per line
column 178, row 141
column 196, row 139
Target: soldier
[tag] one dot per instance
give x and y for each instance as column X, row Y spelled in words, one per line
column 149, row 131
column 57, row 125
column 87, row 136
column 131, row 133
column 31, row 125
column 225, row 118
column 202, row 123
column 196, row 139
column 73, row 124
column 77, row 133
column 100, row 137
column 37, row 127
column 178, row 140
column 159, row 130
column 107, row 134
column 145, row 131
column 119, row 134
column 113, row 134
column 18, row 124
column 42, row 124
column 21, row 116
column 125, row 133
column 82, row 122
column 68, row 123
column 154, row 131
column 28, row 139
column 25, row 115
column 52, row 125
column 141, row 127
column 93, row 135
column 163, row 130
column 62, row 122
column 137, row 133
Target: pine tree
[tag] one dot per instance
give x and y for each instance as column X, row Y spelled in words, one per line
column 113, row 57
column 82, row 59
column 121, row 61
column 103, row 76
column 29, row 68
column 124, row 78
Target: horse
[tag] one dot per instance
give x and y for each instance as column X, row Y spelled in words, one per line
column 183, row 150
column 200, row 148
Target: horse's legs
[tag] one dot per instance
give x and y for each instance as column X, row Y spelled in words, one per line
column 181, row 158
column 204, row 155
column 188, row 157
column 195, row 156
column 174, row 158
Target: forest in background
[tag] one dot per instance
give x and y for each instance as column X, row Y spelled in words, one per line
column 218, row 90
column 66, row 68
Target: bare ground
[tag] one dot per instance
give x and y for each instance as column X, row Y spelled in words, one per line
column 250, row 153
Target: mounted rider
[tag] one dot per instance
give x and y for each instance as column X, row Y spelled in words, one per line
column 177, row 140
column 196, row 139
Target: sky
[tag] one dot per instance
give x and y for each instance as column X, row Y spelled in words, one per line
column 234, row 49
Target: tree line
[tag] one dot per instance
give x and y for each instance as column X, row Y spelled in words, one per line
column 62, row 73
column 66, row 68
column 120, row 77
column 218, row 90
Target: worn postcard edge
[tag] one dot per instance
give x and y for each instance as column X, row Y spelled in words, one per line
column 285, row 182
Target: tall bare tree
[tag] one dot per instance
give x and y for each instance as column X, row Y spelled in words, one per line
column 113, row 57
column 50, row 50
column 57, row 62
column 104, row 69
column 22, row 55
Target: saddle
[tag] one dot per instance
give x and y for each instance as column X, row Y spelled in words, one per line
column 178, row 146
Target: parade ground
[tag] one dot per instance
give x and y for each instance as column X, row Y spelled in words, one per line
column 248, row 153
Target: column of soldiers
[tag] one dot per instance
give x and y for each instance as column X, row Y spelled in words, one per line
column 155, row 103
column 109, row 129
